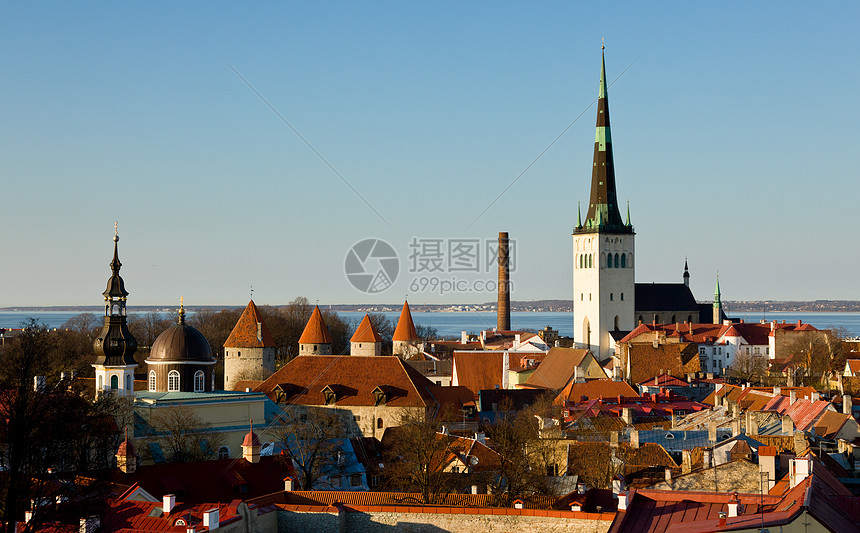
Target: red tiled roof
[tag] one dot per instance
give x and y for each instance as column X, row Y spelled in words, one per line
column 664, row 380
column 804, row 413
column 302, row 380
column 596, row 388
column 250, row 331
column 316, row 331
column 405, row 330
column 210, row 481
column 479, row 370
column 365, row 332
column 854, row 366
column 251, row 439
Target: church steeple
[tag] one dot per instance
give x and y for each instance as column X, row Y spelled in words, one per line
column 686, row 274
column 115, row 346
column 603, row 213
column 718, row 305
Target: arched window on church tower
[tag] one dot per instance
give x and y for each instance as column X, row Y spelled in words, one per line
column 607, row 261
column 152, row 381
column 616, row 323
column 590, row 259
column 615, row 261
column 114, row 382
column 173, row 381
column 623, row 260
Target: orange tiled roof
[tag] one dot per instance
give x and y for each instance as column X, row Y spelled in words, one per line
column 479, row 370
column 353, row 378
column 250, row 331
column 316, row 331
column 598, row 388
column 557, row 368
column 405, row 330
column 365, row 332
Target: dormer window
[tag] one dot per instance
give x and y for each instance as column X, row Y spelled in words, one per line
column 379, row 396
column 330, row 395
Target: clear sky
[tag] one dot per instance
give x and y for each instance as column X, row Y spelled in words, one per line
column 734, row 130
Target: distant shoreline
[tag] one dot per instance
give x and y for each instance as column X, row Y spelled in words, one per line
column 540, row 306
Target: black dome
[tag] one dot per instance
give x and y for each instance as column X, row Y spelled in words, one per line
column 181, row 343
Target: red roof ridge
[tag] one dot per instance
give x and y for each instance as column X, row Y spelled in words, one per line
column 366, row 332
column 250, row 331
column 405, row 330
column 315, row 331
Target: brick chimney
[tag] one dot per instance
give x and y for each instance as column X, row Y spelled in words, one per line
column 503, row 307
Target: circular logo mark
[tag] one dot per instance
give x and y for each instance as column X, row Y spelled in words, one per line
column 371, row 266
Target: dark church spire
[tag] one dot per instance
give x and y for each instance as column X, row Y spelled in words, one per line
column 115, row 345
column 603, row 213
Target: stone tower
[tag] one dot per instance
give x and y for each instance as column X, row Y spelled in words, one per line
column 405, row 339
column 366, row 340
column 315, row 339
column 603, row 250
column 115, row 345
column 249, row 351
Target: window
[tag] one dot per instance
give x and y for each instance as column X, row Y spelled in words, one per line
column 355, row 480
column 623, row 260
column 357, row 418
column 609, row 261
column 99, row 387
column 379, row 423
column 128, row 382
column 114, row 382
column 589, row 296
column 616, row 323
column 622, row 296
column 616, row 261
column 173, row 381
column 757, row 350
column 199, row 381
column 223, row 452
column 611, row 297
column 335, row 481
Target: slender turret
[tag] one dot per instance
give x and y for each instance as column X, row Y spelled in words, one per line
column 718, row 305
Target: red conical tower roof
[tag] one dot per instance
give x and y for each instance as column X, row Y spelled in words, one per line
column 126, row 448
column 251, row 438
column 250, row 330
column 366, row 332
column 405, row 327
column 316, row 331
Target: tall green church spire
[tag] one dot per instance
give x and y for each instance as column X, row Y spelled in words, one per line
column 603, row 213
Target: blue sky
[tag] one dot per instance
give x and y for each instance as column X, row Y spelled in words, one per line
column 734, row 130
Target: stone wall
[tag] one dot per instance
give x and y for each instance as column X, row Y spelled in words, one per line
column 370, row 519
column 741, row 476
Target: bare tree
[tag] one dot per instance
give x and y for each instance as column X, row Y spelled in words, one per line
column 311, row 438
column 415, row 457
column 184, row 435
column 748, row 367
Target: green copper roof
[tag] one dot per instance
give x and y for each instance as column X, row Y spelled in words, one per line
column 603, row 214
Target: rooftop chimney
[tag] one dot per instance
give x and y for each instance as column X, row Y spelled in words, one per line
column 792, row 397
column 168, row 503
column 846, row 404
column 210, row 519
column 734, row 503
column 503, row 308
column 787, row 426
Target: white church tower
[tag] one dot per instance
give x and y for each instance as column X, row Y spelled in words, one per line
column 603, row 251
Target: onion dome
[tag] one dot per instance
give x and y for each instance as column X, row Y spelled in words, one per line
column 181, row 343
column 316, row 331
column 366, row 332
column 115, row 285
column 405, row 327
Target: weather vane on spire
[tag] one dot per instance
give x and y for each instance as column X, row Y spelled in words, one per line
column 252, row 291
column 115, row 227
